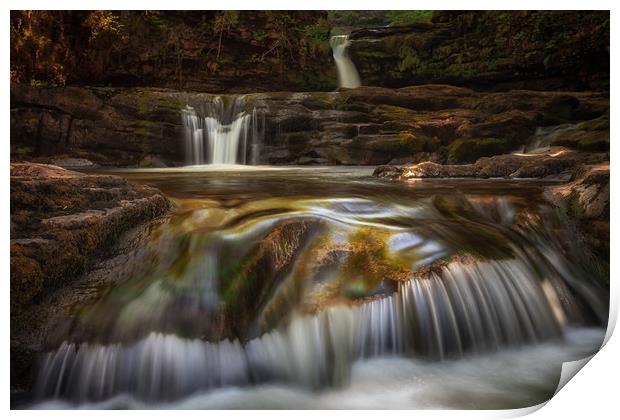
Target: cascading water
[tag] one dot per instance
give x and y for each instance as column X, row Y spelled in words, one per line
column 543, row 137
column 348, row 77
column 224, row 134
column 516, row 289
column 468, row 307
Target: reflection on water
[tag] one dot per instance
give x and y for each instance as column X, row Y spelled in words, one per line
column 304, row 276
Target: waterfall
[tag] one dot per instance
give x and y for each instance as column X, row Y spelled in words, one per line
column 541, row 139
column 466, row 307
column 347, row 73
column 223, row 134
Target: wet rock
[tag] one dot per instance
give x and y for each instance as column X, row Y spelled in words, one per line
column 75, row 214
column 585, row 196
column 590, row 135
column 558, row 163
column 150, row 161
column 435, row 170
column 307, row 160
column 61, row 222
column 586, row 199
column 259, row 274
column 366, row 125
column 74, row 163
column 462, row 151
column 114, row 127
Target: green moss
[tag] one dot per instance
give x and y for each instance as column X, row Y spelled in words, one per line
column 409, row 58
column 573, row 207
column 411, row 143
column 594, row 143
column 396, row 112
column 408, row 17
column 23, row 151
column 601, row 123
column 319, row 100
column 469, row 150
column 370, row 262
column 144, row 128
column 589, row 135
column 373, row 54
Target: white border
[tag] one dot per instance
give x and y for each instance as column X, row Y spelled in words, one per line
column 593, row 394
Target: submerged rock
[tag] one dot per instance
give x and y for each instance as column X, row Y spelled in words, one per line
column 584, row 196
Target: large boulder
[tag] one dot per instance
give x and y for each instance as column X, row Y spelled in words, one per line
column 62, row 222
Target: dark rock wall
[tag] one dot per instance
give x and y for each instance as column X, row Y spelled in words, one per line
column 541, row 50
column 121, row 127
column 108, row 126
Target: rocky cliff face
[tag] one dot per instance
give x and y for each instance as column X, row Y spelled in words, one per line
column 124, row 127
column 61, row 223
column 261, row 51
column 542, row 50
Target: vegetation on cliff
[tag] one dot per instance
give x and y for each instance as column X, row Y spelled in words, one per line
column 542, row 50
column 199, row 50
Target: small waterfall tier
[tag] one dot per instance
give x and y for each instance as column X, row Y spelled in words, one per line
column 466, row 308
column 348, row 76
column 542, row 139
column 223, row 132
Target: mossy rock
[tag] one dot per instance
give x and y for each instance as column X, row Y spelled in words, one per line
column 469, row 150
column 589, row 135
column 415, row 143
column 318, row 100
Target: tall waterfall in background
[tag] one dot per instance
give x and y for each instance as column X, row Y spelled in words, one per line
column 223, row 133
column 347, row 73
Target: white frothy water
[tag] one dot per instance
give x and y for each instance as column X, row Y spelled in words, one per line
column 470, row 308
column 225, row 135
column 508, row 379
column 348, row 76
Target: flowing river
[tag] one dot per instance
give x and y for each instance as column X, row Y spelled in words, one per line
column 284, row 287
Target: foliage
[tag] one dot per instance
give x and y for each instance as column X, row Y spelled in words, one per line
column 550, row 43
column 316, row 36
column 223, row 22
column 38, row 45
column 288, row 41
column 102, row 23
column 375, row 18
column 358, row 18
column 54, row 48
column 407, row 17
